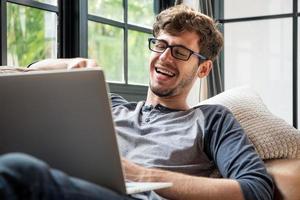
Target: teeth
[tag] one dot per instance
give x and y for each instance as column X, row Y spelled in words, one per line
column 165, row 72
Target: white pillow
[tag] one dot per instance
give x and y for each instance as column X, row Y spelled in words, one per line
column 272, row 137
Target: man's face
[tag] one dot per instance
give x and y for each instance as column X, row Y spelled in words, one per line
column 170, row 76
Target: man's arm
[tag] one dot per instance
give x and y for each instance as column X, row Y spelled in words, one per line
column 67, row 63
column 226, row 143
column 185, row 186
column 51, row 64
column 7, row 69
column 285, row 173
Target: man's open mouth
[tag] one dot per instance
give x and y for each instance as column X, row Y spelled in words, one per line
column 164, row 72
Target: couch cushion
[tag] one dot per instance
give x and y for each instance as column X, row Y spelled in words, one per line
column 272, row 136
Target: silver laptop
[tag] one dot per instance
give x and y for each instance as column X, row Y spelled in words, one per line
column 64, row 118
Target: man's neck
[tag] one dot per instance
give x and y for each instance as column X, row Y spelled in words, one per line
column 173, row 102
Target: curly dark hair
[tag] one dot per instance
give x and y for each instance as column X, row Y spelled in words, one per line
column 180, row 18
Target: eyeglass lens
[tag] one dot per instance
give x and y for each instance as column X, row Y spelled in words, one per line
column 176, row 51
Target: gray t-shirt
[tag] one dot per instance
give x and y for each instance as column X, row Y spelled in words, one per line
column 196, row 141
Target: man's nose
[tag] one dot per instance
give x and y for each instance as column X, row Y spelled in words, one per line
column 166, row 55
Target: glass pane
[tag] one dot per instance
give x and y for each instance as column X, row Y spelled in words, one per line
column 112, row 9
column 31, row 35
column 259, row 54
column 250, row 8
column 138, row 57
column 141, row 12
column 106, row 46
column 52, row 2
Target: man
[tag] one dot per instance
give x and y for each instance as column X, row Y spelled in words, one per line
column 162, row 138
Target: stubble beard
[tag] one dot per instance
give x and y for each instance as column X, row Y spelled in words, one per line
column 175, row 90
column 162, row 93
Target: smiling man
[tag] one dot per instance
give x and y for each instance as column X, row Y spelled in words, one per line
column 189, row 142
column 171, row 79
column 162, row 138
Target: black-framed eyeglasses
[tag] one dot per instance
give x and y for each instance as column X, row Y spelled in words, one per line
column 178, row 51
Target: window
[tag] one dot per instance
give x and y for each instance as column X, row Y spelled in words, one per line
column 31, row 31
column 117, row 38
column 105, row 43
column 114, row 32
column 260, row 51
column 52, row 2
column 138, row 57
column 252, row 8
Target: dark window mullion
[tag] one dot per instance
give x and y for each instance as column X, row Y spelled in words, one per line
column 3, row 33
column 218, row 7
column 35, row 4
column 83, row 28
column 125, row 4
column 295, row 64
column 107, row 21
column 263, row 17
column 129, row 89
column 72, row 28
column 139, row 28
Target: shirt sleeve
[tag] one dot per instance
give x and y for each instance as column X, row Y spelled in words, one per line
column 228, row 146
column 117, row 100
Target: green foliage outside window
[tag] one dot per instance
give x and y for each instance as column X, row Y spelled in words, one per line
column 141, row 12
column 26, row 39
column 105, row 41
column 138, row 58
column 105, row 45
column 112, row 9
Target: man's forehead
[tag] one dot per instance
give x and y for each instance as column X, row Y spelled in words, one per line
column 188, row 39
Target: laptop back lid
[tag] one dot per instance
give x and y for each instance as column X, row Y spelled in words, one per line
column 63, row 118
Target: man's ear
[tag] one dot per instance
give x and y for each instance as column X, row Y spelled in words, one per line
column 204, row 68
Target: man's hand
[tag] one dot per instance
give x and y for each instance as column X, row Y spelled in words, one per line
column 51, row 64
column 184, row 186
column 134, row 172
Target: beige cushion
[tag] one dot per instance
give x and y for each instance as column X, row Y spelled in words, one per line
column 271, row 135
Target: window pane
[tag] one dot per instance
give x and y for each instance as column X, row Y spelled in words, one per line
column 138, row 58
column 141, row 12
column 52, row 2
column 106, row 46
column 31, row 35
column 112, row 9
column 259, row 54
column 248, row 8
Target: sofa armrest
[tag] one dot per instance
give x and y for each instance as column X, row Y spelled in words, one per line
column 286, row 175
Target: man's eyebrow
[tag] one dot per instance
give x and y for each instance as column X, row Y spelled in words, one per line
column 177, row 45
